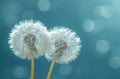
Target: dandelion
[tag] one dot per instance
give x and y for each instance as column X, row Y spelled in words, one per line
column 64, row 47
column 28, row 40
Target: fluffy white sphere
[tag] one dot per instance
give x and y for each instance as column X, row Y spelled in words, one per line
column 64, row 45
column 28, row 39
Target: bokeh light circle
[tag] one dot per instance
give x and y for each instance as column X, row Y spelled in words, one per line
column 65, row 69
column 106, row 11
column 43, row 5
column 114, row 62
column 88, row 25
column 102, row 46
column 20, row 72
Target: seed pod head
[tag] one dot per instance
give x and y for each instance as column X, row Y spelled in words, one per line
column 64, row 45
column 28, row 39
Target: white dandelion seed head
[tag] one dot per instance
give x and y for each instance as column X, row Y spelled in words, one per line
column 64, row 45
column 28, row 39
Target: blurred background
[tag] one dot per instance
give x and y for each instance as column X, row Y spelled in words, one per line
column 97, row 22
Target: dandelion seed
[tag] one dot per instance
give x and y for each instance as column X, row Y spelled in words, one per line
column 64, row 47
column 28, row 40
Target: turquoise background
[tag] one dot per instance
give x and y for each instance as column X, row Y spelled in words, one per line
column 96, row 22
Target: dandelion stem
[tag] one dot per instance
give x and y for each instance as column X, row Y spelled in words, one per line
column 50, row 70
column 32, row 69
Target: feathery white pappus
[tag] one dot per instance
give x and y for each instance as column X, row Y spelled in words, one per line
column 28, row 39
column 64, row 45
